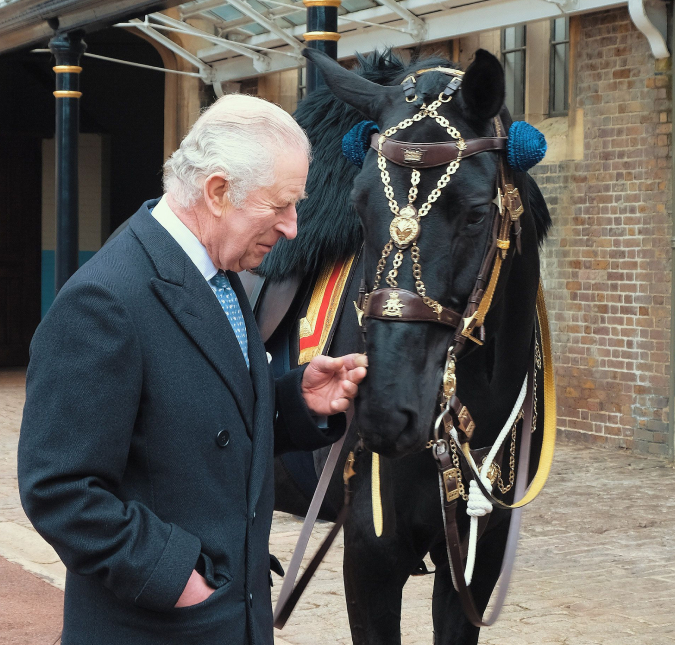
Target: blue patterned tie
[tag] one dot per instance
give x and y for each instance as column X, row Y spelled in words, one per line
column 220, row 284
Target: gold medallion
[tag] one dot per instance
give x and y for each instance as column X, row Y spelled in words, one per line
column 403, row 230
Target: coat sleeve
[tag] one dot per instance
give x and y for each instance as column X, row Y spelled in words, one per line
column 295, row 427
column 83, row 388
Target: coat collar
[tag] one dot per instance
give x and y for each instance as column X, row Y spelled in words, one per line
column 186, row 294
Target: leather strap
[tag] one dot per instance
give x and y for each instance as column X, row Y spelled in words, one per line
column 430, row 155
column 289, row 596
column 550, row 418
column 307, row 527
column 413, row 308
column 455, row 548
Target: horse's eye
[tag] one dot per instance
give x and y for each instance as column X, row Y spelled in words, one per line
column 477, row 215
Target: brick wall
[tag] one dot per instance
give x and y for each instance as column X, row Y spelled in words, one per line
column 607, row 261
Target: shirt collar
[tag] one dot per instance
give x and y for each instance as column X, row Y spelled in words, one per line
column 187, row 240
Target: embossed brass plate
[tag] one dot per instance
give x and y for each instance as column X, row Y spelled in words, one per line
column 466, row 423
column 393, row 306
column 412, row 155
column 450, row 479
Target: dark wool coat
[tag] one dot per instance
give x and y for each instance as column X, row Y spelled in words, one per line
column 146, row 449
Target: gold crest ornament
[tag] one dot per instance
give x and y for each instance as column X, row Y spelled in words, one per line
column 404, row 230
column 393, row 306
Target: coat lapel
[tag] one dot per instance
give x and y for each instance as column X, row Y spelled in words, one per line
column 187, row 296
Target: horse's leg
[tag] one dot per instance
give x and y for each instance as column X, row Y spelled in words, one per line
column 451, row 627
column 375, row 571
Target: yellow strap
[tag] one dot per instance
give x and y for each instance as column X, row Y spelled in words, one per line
column 550, row 412
column 486, row 300
column 377, row 497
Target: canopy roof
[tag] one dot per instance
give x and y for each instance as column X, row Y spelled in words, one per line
column 258, row 36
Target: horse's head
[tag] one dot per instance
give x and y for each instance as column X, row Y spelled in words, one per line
column 447, row 243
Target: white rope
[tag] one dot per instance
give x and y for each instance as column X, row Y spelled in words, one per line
column 478, row 505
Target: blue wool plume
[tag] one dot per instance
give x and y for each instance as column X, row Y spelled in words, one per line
column 526, row 146
column 356, row 142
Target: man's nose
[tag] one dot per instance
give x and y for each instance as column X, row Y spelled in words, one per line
column 288, row 224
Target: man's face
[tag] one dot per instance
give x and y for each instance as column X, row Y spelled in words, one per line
column 243, row 235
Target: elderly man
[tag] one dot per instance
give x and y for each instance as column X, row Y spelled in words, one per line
column 151, row 415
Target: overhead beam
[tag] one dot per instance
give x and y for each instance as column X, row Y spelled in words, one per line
column 273, row 28
column 261, row 62
column 416, row 26
column 24, row 23
column 204, row 69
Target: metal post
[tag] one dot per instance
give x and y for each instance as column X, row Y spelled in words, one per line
column 67, row 49
column 322, row 18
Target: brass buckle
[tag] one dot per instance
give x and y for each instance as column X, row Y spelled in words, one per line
column 450, row 479
column 469, row 325
column 514, row 205
column 349, row 471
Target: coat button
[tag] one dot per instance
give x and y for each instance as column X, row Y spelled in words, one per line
column 223, row 438
column 250, row 598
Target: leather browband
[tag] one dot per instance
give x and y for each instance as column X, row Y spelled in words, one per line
column 411, row 308
column 430, row 155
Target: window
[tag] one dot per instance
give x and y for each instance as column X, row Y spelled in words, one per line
column 513, row 60
column 558, row 99
column 302, row 83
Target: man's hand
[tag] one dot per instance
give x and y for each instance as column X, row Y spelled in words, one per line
column 196, row 591
column 328, row 383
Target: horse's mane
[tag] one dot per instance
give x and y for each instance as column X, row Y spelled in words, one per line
column 328, row 226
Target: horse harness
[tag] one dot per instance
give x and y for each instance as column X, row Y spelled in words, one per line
column 454, row 426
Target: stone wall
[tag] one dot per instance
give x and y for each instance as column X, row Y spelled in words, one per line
column 607, row 262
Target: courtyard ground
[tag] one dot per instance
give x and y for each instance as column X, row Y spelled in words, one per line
column 595, row 566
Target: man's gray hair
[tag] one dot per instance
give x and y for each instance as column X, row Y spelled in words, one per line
column 239, row 135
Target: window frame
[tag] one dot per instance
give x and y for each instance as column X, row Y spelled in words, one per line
column 553, row 44
column 504, row 52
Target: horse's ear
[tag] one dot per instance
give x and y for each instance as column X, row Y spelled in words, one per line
column 483, row 86
column 367, row 97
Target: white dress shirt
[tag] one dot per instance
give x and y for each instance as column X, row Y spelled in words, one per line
column 187, row 240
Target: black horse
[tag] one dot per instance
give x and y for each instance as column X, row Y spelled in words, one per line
column 346, row 214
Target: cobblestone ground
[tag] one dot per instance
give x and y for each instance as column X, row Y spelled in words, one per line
column 596, row 563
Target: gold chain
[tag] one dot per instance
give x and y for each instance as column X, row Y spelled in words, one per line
column 409, row 212
column 537, row 366
column 460, row 483
column 388, row 247
column 512, row 459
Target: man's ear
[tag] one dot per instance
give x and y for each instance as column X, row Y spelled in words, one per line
column 215, row 193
